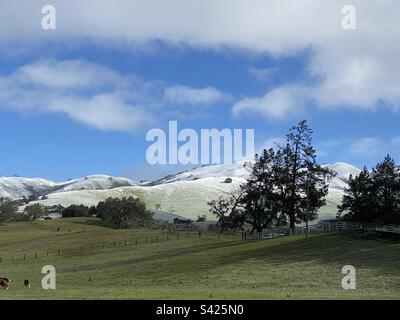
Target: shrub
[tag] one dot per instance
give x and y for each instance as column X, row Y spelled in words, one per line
column 35, row 211
column 75, row 211
column 124, row 212
column 8, row 210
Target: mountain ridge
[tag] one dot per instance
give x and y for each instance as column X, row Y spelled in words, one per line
column 185, row 193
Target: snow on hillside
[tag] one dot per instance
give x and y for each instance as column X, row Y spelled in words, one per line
column 16, row 188
column 237, row 170
column 95, row 182
column 185, row 194
column 243, row 171
column 185, row 198
column 343, row 171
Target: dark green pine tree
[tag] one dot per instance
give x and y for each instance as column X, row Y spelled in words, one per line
column 300, row 177
column 386, row 180
column 359, row 201
column 315, row 188
column 260, row 199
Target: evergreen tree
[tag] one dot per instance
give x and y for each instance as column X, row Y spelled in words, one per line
column 373, row 196
column 386, row 181
column 359, row 200
column 315, row 190
column 260, row 199
column 301, row 181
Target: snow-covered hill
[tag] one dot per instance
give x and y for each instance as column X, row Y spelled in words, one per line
column 243, row 171
column 95, row 182
column 185, row 194
column 343, row 171
column 17, row 188
column 185, row 198
column 237, row 170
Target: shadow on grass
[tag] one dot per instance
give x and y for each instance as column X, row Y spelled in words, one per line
column 88, row 222
column 370, row 250
column 359, row 249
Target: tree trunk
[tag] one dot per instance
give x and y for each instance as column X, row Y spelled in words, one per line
column 292, row 216
column 292, row 219
column 306, row 228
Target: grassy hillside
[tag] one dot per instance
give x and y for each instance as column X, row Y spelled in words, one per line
column 173, row 197
column 199, row 267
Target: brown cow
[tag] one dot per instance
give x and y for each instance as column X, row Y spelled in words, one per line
column 5, row 283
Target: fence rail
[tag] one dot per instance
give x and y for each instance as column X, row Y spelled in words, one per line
column 96, row 246
column 321, row 227
column 391, row 228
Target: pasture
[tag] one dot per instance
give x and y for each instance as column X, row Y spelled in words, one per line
column 205, row 267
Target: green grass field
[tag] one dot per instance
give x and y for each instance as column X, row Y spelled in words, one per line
column 196, row 268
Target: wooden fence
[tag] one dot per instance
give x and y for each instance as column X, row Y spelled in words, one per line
column 92, row 247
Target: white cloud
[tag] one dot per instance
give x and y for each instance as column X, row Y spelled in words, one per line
column 357, row 68
column 187, row 95
column 86, row 92
column 68, row 74
column 108, row 111
column 279, row 103
column 95, row 95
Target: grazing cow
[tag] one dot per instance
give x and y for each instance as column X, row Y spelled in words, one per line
column 27, row 284
column 5, row 283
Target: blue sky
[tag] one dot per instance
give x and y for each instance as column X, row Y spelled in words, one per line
column 71, row 107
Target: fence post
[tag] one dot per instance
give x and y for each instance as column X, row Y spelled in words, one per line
column 136, row 241
column 125, row 243
column 58, row 252
column 35, row 255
